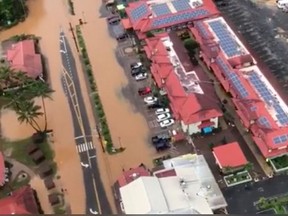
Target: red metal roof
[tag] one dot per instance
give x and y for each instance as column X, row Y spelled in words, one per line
column 144, row 21
column 230, row 155
column 22, row 201
column 130, row 175
column 2, row 169
column 192, row 107
column 251, row 108
column 22, row 57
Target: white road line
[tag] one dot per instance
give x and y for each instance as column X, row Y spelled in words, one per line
column 91, row 145
column 84, row 147
column 78, row 137
column 94, row 156
column 81, row 148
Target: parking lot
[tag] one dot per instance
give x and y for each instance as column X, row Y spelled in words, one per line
column 126, row 55
column 241, row 198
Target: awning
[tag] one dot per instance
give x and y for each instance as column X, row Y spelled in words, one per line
column 206, row 124
column 126, row 23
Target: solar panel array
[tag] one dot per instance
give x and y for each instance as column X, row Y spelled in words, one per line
column 139, row 12
column 280, row 139
column 232, row 77
column 181, row 5
column 202, row 29
column 161, row 9
column 227, row 42
column 268, row 98
column 264, row 121
column 179, row 18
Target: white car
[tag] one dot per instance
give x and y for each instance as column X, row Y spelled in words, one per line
column 163, row 117
column 166, row 123
column 162, row 110
column 141, row 76
column 136, row 65
column 150, row 100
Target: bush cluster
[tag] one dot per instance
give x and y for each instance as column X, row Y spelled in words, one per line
column 100, row 114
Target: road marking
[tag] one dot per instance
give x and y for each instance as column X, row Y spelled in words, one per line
column 78, row 137
column 85, row 147
column 94, row 156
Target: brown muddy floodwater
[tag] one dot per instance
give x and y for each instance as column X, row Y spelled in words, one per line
column 45, row 19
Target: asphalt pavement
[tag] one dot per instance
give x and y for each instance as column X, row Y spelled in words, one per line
column 241, row 199
column 96, row 199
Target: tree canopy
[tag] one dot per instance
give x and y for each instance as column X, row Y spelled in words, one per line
column 12, row 11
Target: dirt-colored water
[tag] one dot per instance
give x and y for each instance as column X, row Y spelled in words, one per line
column 45, row 19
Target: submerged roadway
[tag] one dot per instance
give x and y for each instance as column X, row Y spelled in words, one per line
column 96, row 199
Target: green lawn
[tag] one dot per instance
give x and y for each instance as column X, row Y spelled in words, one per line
column 19, row 151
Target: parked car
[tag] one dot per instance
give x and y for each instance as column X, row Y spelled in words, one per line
column 114, row 21
column 166, row 123
column 141, row 76
column 160, row 137
column 161, row 146
column 150, row 100
column 154, row 106
column 163, row 117
column 136, row 71
column 111, row 17
column 144, row 91
column 136, row 65
column 162, row 110
column 121, row 37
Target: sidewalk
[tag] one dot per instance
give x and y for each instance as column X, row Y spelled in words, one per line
column 247, row 136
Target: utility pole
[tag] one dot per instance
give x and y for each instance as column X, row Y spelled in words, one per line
column 74, row 37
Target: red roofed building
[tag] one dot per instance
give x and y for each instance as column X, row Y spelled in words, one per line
column 22, row 201
column 192, row 97
column 259, row 106
column 229, row 155
column 2, row 170
column 153, row 15
column 23, row 57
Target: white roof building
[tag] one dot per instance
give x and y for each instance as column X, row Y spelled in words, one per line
column 192, row 190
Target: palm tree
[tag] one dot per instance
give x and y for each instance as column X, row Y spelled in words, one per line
column 27, row 112
column 39, row 89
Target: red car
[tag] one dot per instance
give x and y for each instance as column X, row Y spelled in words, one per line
column 144, row 91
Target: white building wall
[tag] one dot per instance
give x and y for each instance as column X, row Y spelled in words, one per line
column 193, row 128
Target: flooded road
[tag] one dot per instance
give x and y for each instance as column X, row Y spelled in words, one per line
column 45, row 20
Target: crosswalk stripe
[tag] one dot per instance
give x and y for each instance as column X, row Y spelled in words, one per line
column 91, row 145
column 84, row 146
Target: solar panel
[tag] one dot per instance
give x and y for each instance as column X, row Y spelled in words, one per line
column 139, row 12
column 226, row 40
column 181, row 5
column 232, row 77
column 202, row 29
column 179, row 18
column 268, row 97
column 280, row 139
column 264, row 122
column 161, row 9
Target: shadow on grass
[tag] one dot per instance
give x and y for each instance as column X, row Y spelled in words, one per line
column 19, row 152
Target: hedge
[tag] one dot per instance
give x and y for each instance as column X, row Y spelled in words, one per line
column 98, row 107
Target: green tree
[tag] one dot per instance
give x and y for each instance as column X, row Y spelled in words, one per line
column 39, row 89
column 28, row 112
column 191, row 45
column 12, row 11
column 149, row 34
